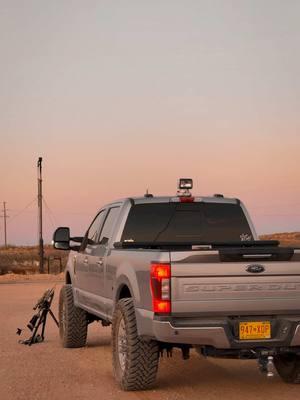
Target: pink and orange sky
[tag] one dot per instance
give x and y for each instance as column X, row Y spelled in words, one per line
column 122, row 96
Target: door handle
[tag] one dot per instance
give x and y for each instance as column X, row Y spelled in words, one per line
column 99, row 262
column 74, row 264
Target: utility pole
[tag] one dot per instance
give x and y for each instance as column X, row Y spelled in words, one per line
column 40, row 215
column 5, row 216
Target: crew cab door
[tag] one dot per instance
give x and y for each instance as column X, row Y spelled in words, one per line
column 87, row 266
column 94, row 260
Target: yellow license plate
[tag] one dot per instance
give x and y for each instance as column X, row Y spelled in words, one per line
column 255, row 330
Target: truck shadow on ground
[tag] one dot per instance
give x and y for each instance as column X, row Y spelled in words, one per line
column 216, row 376
column 99, row 338
column 101, row 342
column 199, row 376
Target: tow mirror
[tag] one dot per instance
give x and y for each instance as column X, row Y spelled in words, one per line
column 61, row 238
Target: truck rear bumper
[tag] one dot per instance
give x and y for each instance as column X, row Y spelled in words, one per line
column 212, row 336
column 219, row 333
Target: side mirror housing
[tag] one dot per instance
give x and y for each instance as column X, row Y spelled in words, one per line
column 61, row 238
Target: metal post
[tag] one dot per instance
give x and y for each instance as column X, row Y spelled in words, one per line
column 40, row 208
column 5, row 216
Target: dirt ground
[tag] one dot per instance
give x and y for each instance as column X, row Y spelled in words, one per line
column 46, row 371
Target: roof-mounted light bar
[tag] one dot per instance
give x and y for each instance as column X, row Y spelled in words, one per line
column 184, row 186
column 185, row 183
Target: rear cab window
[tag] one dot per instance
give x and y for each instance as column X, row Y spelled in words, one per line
column 183, row 222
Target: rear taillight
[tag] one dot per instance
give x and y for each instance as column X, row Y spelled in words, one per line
column 160, row 276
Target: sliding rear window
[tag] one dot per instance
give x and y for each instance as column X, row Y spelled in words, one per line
column 184, row 222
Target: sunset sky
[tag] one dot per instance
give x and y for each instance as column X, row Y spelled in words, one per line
column 120, row 96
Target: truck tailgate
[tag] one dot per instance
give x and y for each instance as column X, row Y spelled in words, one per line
column 201, row 284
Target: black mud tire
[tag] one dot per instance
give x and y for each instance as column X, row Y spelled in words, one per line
column 139, row 357
column 288, row 367
column 73, row 321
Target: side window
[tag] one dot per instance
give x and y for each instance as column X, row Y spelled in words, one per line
column 95, row 228
column 108, row 225
column 92, row 235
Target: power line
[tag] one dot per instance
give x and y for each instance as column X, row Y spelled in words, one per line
column 268, row 206
column 276, row 215
column 23, row 210
column 50, row 213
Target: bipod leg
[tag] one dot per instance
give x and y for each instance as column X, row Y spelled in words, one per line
column 39, row 322
column 45, row 312
column 53, row 316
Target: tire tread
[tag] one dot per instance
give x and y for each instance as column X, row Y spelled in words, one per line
column 143, row 356
column 288, row 373
column 75, row 332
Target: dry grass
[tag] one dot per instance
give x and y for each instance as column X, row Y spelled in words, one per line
column 286, row 239
column 25, row 260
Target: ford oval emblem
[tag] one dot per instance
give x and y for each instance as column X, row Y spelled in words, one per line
column 255, row 268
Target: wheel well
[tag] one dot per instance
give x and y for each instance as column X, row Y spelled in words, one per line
column 124, row 292
column 68, row 279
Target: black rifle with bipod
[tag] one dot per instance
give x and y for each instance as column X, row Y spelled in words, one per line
column 39, row 319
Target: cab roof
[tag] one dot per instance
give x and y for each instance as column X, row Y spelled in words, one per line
column 175, row 199
column 171, row 199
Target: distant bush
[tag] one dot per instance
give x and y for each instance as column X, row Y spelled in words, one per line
column 286, row 238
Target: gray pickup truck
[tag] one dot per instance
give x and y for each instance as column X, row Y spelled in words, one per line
column 186, row 272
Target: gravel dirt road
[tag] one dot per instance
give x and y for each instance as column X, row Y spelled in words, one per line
column 46, row 371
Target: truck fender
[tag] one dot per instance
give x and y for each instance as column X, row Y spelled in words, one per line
column 69, row 271
column 126, row 275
